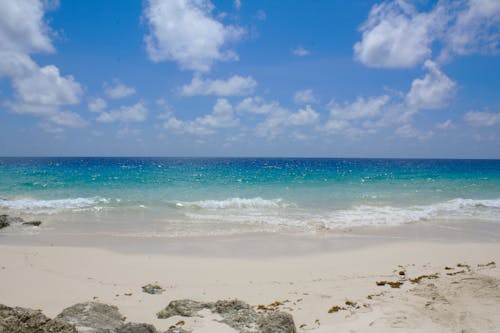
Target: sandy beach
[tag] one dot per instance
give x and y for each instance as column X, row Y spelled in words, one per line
column 326, row 289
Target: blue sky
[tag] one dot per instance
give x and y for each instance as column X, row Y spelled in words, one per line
column 250, row 78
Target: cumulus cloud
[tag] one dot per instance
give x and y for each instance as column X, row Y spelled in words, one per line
column 39, row 91
column 235, row 85
column 300, row 51
column 257, row 105
column 360, row 108
column 22, row 28
column 398, row 35
column 407, row 131
column 118, row 90
column 395, row 35
column 279, row 118
column 305, row 96
column 222, row 116
column 433, row 91
column 125, row 114
column 185, row 31
column 97, row 104
column 482, row 119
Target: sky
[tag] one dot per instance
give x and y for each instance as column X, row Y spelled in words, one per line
column 263, row 78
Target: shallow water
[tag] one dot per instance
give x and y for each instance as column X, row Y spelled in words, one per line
column 182, row 196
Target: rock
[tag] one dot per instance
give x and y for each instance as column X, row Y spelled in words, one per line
column 182, row 307
column 277, row 322
column 152, row 288
column 33, row 223
column 136, row 328
column 93, row 317
column 22, row 320
column 176, row 329
column 235, row 313
column 4, row 222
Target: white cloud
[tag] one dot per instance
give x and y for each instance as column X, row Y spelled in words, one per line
column 126, row 131
column 279, row 118
column 358, row 109
column 431, row 92
column 184, row 31
column 407, row 131
column 222, row 116
column 97, row 104
column 305, row 96
column 257, row 105
column 235, row 85
column 396, row 34
column 445, row 125
column 482, row 119
column 67, row 118
column 118, row 90
column 303, row 117
column 125, row 114
column 39, row 91
column 22, row 28
column 300, row 51
column 476, row 28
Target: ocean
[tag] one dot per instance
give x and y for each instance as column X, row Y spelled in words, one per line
column 209, row 196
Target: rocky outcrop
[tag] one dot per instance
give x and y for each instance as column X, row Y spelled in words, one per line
column 4, row 221
column 93, row 317
column 235, row 313
column 136, row 328
column 22, row 320
column 182, row 307
column 277, row 322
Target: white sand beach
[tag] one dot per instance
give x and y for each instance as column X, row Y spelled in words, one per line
column 450, row 298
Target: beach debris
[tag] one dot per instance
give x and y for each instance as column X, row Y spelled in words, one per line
column 273, row 306
column 392, row 284
column 335, row 308
column 462, row 265
column 455, row 273
column 127, row 294
column 402, row 273
column 352, row 304
column 23, row 320
column 426, row 276
column 152, row 288
column 92, row 317
column 136, row 328
column 491, row 263
column 235, row 313
column 448, row 268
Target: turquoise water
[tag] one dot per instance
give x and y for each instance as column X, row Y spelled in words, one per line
column 230, row 193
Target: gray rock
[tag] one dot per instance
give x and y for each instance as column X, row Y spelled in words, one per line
column 22, row 320
column 235, row 313
column 136, row 328
column 33, row 223
column 152, row 288
column 182, row 307
column 93, row 317
column 277, row 322
column 176, row 329
column 4, row 222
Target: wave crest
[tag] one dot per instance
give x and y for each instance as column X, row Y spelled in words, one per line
column 234, row 203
